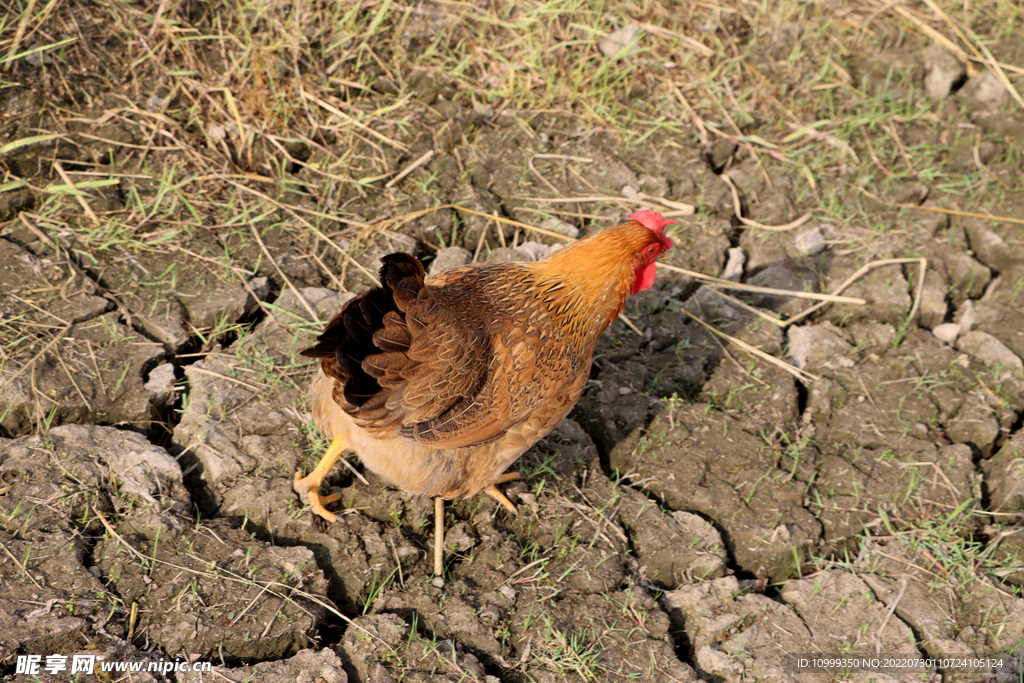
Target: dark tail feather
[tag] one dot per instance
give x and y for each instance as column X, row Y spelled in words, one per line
column 403, row 275
column 349, row 337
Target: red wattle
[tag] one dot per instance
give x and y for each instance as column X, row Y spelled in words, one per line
column 644, row 279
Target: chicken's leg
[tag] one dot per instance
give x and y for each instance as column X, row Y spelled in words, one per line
column 497, row 495
column 438, row 536
column 308, row 487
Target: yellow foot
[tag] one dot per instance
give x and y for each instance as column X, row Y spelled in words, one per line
column 308, row 487
column 497, row 495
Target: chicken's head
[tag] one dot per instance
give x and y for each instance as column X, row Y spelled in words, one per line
column 658, row 245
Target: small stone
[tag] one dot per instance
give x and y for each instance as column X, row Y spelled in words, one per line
column 621, row 42
column 974, row 425
column 989, row 350
column 933, row 307
column 460, row 537
column 734, row 266
column 161, row 384
column 720, row 153
column 967, row 275
column 990, row 248
column 506, row 254
column 941, row 71
column 984, row 92
column 810, row 242
column 932, row 222
column 260, row 286
column 438, row 582
column 947, row 332
column 484, row 111
column 561, row 227
column 654, row 186
column 533, row 251
column 448, row 258
column 912, row 193
column 966, row 316
column 819, row 344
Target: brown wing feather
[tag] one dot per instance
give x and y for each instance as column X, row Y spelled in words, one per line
column 417, row 357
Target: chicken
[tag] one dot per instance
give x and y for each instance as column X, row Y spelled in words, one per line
column 439, row 385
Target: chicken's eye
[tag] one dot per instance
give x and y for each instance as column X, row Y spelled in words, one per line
column 650, row 250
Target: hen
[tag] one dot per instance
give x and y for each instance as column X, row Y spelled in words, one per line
column 439, row 385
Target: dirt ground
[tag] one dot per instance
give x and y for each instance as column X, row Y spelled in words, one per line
column 189, row 190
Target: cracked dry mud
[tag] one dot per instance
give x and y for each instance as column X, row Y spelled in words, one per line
column 698, row 517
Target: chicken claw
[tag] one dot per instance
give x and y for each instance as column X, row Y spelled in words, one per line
column 497, row 495
column 308, row 487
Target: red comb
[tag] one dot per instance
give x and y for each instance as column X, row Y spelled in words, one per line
column 652, row 220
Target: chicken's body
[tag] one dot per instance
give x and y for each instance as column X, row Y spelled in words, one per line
column 439, row 385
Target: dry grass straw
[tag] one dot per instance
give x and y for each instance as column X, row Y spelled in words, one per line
column 956, row 212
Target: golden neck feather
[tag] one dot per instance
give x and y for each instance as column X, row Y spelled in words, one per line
column 586, row 284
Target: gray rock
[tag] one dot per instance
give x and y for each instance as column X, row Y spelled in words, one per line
column 1005, row 475
column 877, row 336
column 460, row 537
column 326, row 302
column 621, row 42
column 506, row 254
column 966, row 316
column 161, row 384
column 448, row 258
column 884, row 289
column 162, row 319
column 990, row 248
column 719, row 155
column 33, row 616
column 655, row 186
column 933, row 308
column 974, row 425
column 734, row 266
column 990, row 350
column 776, row 209
column 260, row 286
column 533, row 251
column 941, row 70
column 107, row 390
column 821, row 345
column 967, row 275
column 630, row 192
column 191, row 584
column 762, row 249
column 911, row 192
column 810, row 242
column 932, row 222
column 218, row 306
column 561, row 227
column 984, row 92
column 947, row 332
